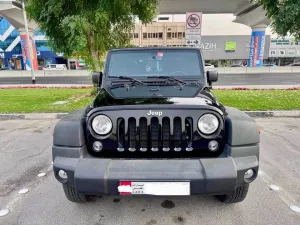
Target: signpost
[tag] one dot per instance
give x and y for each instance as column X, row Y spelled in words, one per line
column 193, row 28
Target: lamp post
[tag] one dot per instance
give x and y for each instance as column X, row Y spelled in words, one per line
column 28, row 43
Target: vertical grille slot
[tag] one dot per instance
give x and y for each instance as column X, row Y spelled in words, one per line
column 121, row 132
column 154, row 131
column 189, row 131
column 132, row 132
column 143, row 133
column 177, row 132
column 165, row 132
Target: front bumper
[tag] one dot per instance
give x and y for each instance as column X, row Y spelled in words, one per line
column 209, row 176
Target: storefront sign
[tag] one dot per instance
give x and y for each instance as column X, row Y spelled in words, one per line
column 257, row 48
column 208, row 46
column 230, row 46
column 284, row 48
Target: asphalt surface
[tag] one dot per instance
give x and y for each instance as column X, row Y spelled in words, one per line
column 25, row 151
column 224, row 79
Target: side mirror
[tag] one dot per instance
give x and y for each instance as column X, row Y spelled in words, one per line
column 97, row 79
column 212, row 76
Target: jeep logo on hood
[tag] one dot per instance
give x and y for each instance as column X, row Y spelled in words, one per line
column 156, row 113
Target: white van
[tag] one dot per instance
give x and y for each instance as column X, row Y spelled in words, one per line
column 55, row 67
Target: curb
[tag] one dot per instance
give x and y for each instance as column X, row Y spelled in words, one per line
column 41, row 86
column 41, row 116
column 263, row 114
column 33, row 116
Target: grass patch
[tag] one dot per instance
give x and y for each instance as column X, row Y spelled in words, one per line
column 41, row 100
column 260, row 99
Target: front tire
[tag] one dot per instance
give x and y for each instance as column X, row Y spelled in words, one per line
column 72, row 195
column 238, row 196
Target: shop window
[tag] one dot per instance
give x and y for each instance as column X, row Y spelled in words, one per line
column 169, row 35
column 183, row 34
column 174, row 35
column 179, row 34
column 160, row 35
column 144, row 35
column 154, row 35
column 136, row 35
column 149, row 35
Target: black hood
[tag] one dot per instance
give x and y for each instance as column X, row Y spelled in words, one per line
column 203, row 98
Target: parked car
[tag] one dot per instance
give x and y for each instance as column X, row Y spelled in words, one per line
column 209, row 66
column 269, row 65
column 159, row 131
column 237, row 65
column 40, row 68
column 295, row 64
column 55, row 67
column 5, row 68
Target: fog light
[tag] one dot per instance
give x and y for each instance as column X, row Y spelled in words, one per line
column 249, row 174
column 62, row 174
column 213, row 146
column 97, row 146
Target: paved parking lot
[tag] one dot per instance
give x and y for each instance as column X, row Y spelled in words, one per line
column 25, row 151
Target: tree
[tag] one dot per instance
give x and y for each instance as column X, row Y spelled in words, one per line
column 285, row 16
column 88, row 28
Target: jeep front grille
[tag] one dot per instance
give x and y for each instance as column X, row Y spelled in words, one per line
column 155, row 134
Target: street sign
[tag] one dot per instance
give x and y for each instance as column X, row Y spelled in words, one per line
column 193, row 28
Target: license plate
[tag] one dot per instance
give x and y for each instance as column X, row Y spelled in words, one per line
column 154, row 188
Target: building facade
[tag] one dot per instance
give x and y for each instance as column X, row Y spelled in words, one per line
column 221, row 50
column 11, row 50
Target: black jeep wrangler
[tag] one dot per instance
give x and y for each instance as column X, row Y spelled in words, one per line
column 155, row 128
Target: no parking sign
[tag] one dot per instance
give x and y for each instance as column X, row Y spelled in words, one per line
column 193, row 28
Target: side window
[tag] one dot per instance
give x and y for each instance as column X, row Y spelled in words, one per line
column 53, row 66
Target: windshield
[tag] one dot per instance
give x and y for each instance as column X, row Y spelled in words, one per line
column 155, row 62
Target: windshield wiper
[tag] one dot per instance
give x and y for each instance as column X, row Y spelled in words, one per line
column 130, row 79
column 133, row 80
column 169, row 78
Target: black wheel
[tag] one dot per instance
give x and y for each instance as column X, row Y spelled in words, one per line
column 72, row 195
column 238, row 196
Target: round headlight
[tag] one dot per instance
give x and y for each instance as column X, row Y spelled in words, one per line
column 101, row 124
column 208, row 123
